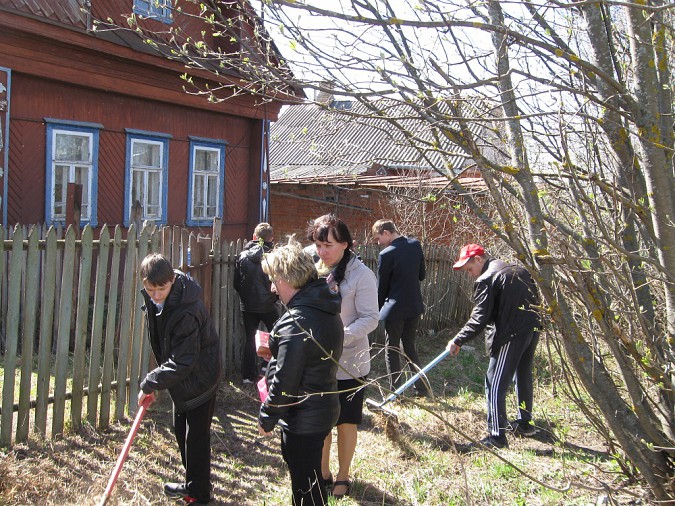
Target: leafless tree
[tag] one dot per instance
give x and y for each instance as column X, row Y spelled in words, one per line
column 575, row 146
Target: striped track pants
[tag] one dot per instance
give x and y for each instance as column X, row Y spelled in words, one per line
column 512, row 363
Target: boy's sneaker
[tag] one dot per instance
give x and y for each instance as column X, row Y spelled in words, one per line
column 175, row 490
column 523, row 428
column 193, row 501
column 492, row 442
column 247, row 381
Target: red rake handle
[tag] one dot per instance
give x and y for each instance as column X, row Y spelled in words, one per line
column 125, row 449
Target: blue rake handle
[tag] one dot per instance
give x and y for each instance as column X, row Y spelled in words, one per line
column 414, row 378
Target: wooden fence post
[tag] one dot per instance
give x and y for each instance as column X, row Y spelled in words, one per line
column 110, row 331
column 136, row 335
column 216, row 259
column 30, row 308
column 3, row 287
column 63, row 335
column 12, row 329
column 128, row 301
column 46, row 332
column 97, row 325
column 232, row 317
column 81, row 326
column 203, row 245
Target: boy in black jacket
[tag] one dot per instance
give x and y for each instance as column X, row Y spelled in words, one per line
column 187, row 350
column 258, row 303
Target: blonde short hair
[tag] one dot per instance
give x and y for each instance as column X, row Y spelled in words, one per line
column 290, row 263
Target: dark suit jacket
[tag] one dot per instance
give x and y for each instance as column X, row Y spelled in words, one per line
column 400, row 269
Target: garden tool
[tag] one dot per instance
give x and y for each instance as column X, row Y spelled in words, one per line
column 125, row 449
column 379, row 407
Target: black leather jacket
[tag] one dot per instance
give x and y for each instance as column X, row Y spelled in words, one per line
column 186, row 346
column 503, row 295
column 253, row 285
column 299, row 371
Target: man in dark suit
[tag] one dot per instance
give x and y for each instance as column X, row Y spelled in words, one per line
column 400, row 269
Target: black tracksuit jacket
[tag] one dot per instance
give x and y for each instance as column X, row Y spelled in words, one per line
column 503, row 295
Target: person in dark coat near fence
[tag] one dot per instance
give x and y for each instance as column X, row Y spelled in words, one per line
column 400, row 270
column 186, row 347
column 258, row 303
column 505, row 299
column 306, row 345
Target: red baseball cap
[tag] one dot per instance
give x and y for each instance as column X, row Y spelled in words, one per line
column 467, row 252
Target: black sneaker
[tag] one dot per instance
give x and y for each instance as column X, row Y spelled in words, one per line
column 523, row 428
column 493, row 442
column 175, row 490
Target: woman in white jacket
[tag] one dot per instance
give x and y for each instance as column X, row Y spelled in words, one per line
column 357, row 286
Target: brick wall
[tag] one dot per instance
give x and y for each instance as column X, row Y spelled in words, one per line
column 439, row 221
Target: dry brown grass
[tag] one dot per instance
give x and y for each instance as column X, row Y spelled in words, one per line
column 420, row 460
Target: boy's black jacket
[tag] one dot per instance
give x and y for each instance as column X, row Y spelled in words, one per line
column 252, row 284
column 186, row 346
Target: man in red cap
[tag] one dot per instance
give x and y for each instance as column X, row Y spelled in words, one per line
column 505, row 299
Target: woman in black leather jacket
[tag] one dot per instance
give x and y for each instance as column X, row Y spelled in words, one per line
column 306, row 344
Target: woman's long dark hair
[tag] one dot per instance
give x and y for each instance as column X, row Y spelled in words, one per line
column 320, row 229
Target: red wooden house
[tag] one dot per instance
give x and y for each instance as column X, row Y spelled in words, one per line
column 104, row 110
column 335, row 157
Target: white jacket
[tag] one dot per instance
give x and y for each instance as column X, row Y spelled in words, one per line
column 359, row 313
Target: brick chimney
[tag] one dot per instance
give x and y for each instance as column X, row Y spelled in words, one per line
column 324, row 95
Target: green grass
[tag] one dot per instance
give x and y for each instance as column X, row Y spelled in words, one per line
column 422, row 461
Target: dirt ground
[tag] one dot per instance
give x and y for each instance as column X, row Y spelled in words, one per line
column 421, row 460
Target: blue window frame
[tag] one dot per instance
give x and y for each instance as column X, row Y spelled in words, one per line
column 154, row 9
column 146, row 177
column 206, row 181
column 72, row 157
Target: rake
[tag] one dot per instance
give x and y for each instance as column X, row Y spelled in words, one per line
column 379, row 407
column 125, row 449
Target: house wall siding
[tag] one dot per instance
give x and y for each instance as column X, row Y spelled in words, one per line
column 34, row 99
column 26, row 183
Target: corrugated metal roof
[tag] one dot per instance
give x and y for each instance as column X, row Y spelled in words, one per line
column 67, row 12
column 309, row 141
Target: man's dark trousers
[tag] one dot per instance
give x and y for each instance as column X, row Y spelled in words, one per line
column 401, row 334
column 193, row 434
column 249, row 369
column 514, row 360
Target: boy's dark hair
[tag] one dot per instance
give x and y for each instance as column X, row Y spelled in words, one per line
column 381, row 225
column 156, row 269
column 264, row 231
